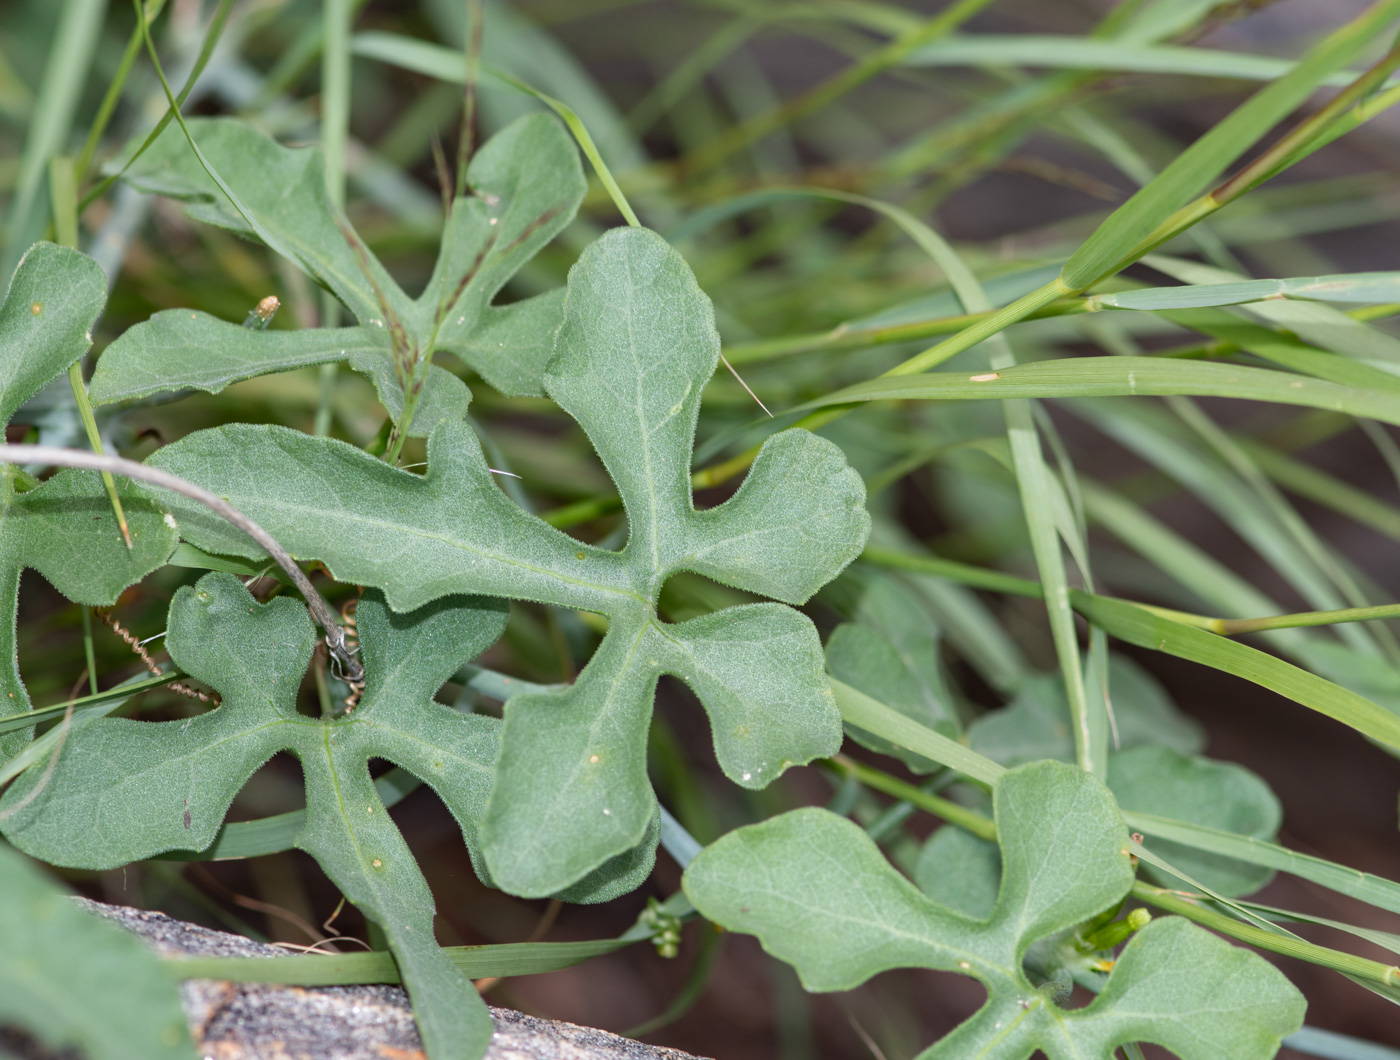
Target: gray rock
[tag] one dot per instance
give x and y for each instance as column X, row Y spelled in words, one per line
column 254, row 1021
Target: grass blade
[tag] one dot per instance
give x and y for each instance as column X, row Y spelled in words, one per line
column 445, row 64
column 1368, row 287
column 1121, row 377
column 874, row 717
column 1064, row 52
column 75, row 42
column 1209, row 157
column 1136, row 625
column 346, row 969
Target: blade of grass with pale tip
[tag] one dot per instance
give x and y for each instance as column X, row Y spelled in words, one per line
column 1120, row 377
column 1064, row 52
column 1371, row 287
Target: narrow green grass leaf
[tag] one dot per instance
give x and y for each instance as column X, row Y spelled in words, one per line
column 108, row 105
column 889, row 724
column 1138, row 626
column 348, row 969
column 446, row 64
column 1284, row 349
column 1121, row 377
column 85, row 704
column 1209, row 157
column 1273, row 938
column 1064, row 52
column 1158, row 439
column 1313, row 1041
column 1363, row 886
column 833, row 88
column 175, row 102
column 1366, row 287
column 1314, row 322
column 65, row 70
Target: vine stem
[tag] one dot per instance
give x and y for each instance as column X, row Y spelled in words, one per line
column 351, row 669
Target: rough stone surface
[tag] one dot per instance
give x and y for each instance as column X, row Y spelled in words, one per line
column 254, row 1021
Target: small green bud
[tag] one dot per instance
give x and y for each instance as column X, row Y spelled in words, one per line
column 1110, row 935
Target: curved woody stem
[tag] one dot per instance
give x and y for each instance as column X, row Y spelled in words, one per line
column 349, row 668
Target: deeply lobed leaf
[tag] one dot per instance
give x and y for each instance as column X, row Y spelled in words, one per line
column 819, row 894
column 64, row 528
column 636, row 347
column 125, row 790
column 525, row 186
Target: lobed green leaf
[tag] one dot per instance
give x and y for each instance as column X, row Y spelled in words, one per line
column 64, row 528
column 125, row 790
column 632, row 355
column 819, row 894
column 526, row 184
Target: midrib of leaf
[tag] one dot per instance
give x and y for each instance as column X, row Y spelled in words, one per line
column 310, row 514
column 350, row 829
column 653, row 529
column 993, row 1044
column 236, row 737
column 619, row 679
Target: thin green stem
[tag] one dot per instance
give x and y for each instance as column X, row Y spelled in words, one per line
column 996, row 581
column 336, row 18
column 64, row 191
column 323, row 690
column 1233, row 626
column 80, row 395
column 843, row 338
column 174, row 102
column 114, row 92
column 1193, row 908
column 982, row 329
column 335, row 93
column 965, row 573
column 946, row 809
column 325, row 394
column 582, row 511
column 88, row 652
